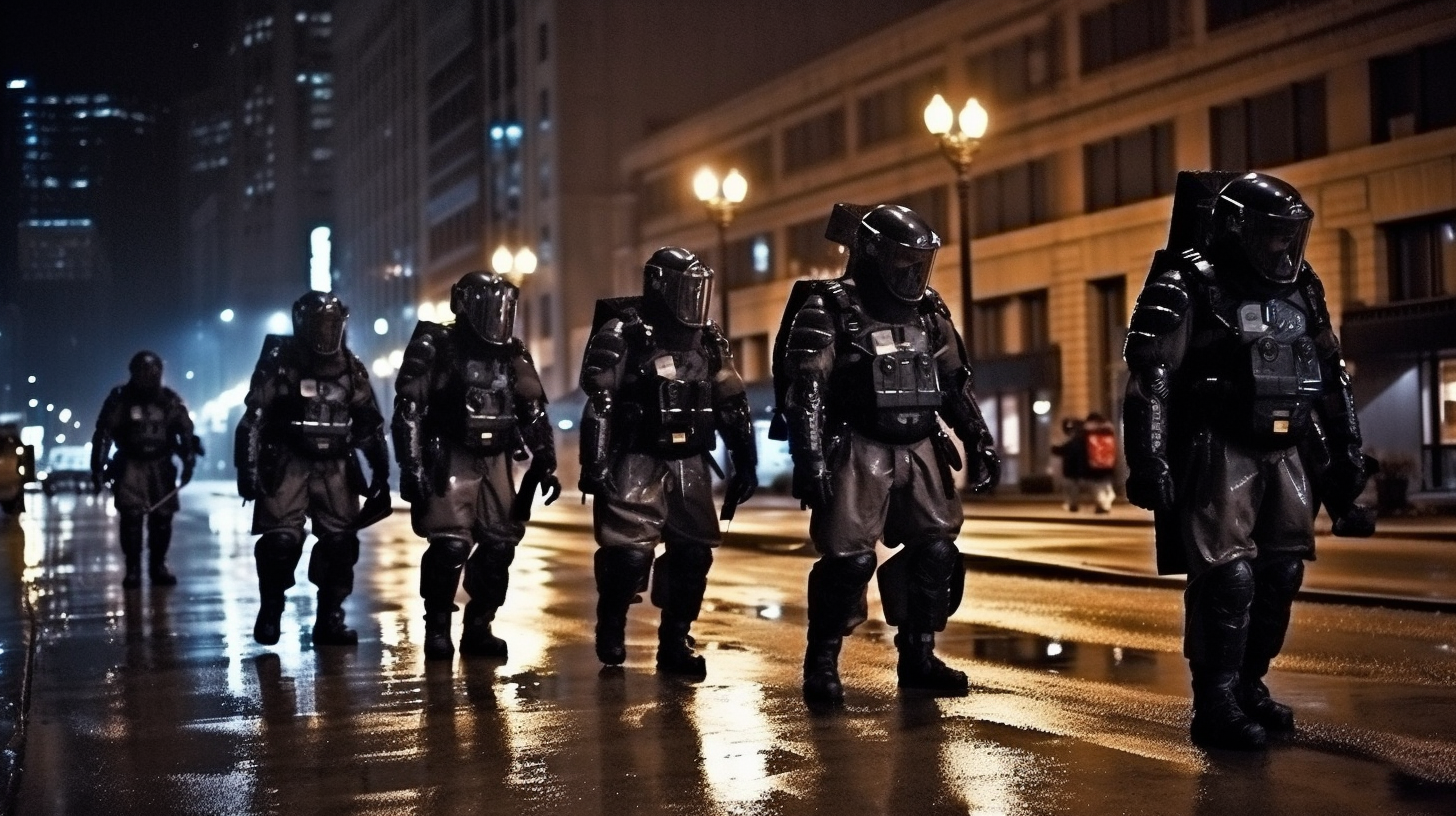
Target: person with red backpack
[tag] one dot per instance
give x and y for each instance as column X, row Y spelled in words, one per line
column 1100, row 439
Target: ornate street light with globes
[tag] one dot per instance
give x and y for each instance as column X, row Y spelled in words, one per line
column 513, row 266
column 721, row 199
column 959, row 148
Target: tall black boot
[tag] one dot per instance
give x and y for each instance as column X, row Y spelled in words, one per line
column 487, row 575
column 919, row 668
column 679, row 580
column 438, row 645
column 1276, row 580
column 276, row 555
column 328, row 627
column 477, row 640
column 1215, row 636
column 621, row 573
column 267, row 628
column 331, row 569
column 130, row 535
column 159, row 540
column 836, row 593
column 931, row 597
column 440, row 569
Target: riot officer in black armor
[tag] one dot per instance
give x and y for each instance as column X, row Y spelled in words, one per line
column 309, row 407
column 149, row 425
column 1234, row 368
column 660, row 385
column 468, row 403
column 870, row 361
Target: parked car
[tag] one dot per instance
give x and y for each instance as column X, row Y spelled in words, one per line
column 68, row 468
column 17, row 468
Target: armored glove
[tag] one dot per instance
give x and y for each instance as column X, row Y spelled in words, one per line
column 988, row 469
column 1150, row 484
column 811, row 482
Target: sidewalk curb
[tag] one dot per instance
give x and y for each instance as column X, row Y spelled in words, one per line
column 798, row 546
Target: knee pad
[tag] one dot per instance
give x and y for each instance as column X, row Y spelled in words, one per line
column 1227, row 589
column 1281, row 577
column 679, row 578
column 448, row 550
column 278, row 545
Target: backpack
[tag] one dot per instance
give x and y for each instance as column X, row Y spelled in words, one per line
column 1101, row 449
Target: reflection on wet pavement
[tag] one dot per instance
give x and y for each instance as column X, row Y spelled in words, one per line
column 1079, row 700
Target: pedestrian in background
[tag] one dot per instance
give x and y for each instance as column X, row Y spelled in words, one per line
column 1100, row 446
column 1074, row 461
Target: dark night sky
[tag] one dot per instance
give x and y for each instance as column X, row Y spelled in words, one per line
column 141, row 47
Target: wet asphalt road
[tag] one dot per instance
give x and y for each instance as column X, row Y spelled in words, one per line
column 159, row 702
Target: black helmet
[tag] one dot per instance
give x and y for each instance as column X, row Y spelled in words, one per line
column 897, row 248
column 318, row 322
column 680, row 284
column 1263, row 221
column 486, row 302
column 146, row 371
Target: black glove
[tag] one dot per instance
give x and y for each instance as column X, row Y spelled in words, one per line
column 187, row 467
column 988, row 469
column 811, row 482
column 597, row 479
column 543, row 469
column 1150, row 485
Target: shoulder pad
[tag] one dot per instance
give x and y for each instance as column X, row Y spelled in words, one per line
column 813, row 328
column 933, row 303
column 605, row 349
column 1162, row 304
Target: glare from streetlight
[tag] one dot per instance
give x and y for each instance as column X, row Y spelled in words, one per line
column 525, row 261
column 938, row 116
column 973, row 119
column 501, row 259
column 64, row 415
column 396, row 358
column 426, row 312
column 30, row 379
column 381, row 326
column 735, row 187
column 227, row 315
column 705, row 184
column 381, row 367
column 278, row 323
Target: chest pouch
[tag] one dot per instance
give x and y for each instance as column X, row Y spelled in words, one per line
column 323, row 427
column 1283, row 377
column 146, row 431
column 905, row 379
column 682, row 417
column 490, row 408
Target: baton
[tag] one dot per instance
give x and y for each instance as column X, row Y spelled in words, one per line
column 164, row 499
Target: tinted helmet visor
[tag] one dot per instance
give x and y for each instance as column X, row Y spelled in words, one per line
column 1274, row 244
column 688, row 295
column 490, row 311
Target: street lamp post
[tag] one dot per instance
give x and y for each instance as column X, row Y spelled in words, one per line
column 959, row 148
column 721, row 200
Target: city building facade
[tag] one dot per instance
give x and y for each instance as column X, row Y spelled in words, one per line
column 1093, row 108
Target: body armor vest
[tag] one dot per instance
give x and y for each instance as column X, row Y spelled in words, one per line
column 317, row 412
column 1267, row 375
column 672, row 393
column 889, row 386
column 487, row 409
column 143, row 430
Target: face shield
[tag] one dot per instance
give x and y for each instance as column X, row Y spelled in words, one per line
column 906, row 271
column 1274, row 244
column 324, row 332
column 490, row 310
column 687, row 294
column 146, row 373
